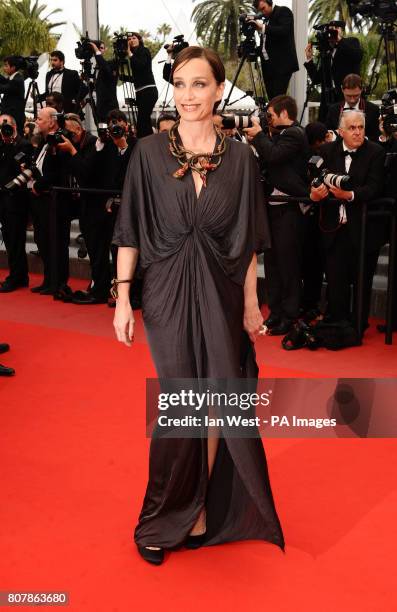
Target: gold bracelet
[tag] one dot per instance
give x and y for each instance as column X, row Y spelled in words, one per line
column 113, row 289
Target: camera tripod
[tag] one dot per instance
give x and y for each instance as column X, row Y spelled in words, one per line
column 33, row 90
column 88, row 76
column 387, row 39
column 250, row 55
column 125, row 77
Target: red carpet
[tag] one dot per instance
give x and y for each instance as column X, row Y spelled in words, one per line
column 74, row 464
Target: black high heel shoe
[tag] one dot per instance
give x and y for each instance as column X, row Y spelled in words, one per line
column 156, row 557
column 195, row 541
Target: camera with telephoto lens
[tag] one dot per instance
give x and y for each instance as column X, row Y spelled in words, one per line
column 6, row 129
column 385, row 10
column 327, row 33
column 120, row 45
column 231, row 121
column 178, row 44
column 320, row 175
column 84, row 51
column 388, row 111
column 28, row 172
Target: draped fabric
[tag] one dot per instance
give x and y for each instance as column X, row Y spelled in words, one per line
column 195, row 254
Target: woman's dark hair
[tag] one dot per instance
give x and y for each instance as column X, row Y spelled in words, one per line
column 190, row 53
column 139, row 37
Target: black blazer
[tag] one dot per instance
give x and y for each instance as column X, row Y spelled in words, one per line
column 347, row 60
column 280, row 41
column 106, row 87
column 13, row 100
column 71, row 84
column 285, row 159
column 371, row 118
column 367, row 174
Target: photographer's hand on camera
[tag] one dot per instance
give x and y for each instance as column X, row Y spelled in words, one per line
column 319, row 193
column 254, row 130
column 67, row 147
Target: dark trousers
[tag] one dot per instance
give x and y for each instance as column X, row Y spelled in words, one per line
column 283, row 262
column 13, row 219
column 145, row 101
column 97, row 228
column 276, row 84
column 341, row 262
column 312, row 261
column 48, row 229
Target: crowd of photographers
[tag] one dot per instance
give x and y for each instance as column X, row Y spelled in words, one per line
column 331, row 165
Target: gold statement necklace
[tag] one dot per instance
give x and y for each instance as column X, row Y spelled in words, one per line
column 202, row 163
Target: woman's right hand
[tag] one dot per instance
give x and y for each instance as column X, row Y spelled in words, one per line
column 123, row 322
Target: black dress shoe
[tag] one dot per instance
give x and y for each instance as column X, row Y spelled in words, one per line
column 281, row 329
column 4, row 348
column 8, row 286
column 63, row 294
column 46, row 290
column 6, row 371
column 272, row 320
column 156, row 557
column 89, row 298
column 195, row 541
column 39, row 288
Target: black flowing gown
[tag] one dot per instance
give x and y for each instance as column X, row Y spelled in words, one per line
column 195, row 254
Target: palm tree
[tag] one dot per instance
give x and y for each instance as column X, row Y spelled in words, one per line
column 22, row 35
column 35, row 12
column 164, row 30
column 217, row 23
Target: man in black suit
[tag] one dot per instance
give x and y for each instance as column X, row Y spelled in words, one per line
column 13, row 89
column 106, row 83
column 65, row 81
column 13, row 206
column 342, row 57
column 278, row 53
column 285, row 156
column 363, row 161
column 352, row 89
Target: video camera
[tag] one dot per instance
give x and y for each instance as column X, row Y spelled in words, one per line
column 385, row 10
column 178, row 44
column 327, row 34
column 120, row 45
column 84, row 51
column 29, row 65
column 247, row 25
column 388, row 111
column 320, row 175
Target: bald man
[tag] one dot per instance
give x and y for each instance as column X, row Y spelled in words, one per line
column 49, row 166
column 363, row 161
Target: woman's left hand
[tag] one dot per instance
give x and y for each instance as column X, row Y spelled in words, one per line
column 253, row 321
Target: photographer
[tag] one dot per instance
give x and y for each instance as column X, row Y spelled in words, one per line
column 339, row 57
column 13, row 89
column 117, row 117
column 62, row 80
column 177, row 45
column 363, row 161
column 13, row 206
column 277, row 43
column 106, row 82
column 49, row 165
column 144, row 83
column 352, row 89
column 165, row 122
column 284, row 153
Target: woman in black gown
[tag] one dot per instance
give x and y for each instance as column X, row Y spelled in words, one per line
column 197, row 221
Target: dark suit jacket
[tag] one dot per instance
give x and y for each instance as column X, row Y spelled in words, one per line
column 347, row 60
column 280, row 42
column 371, row 118
column 71, row 84
column 13, row 100
column 285, row 157
column 106, row 87
column 367, row 175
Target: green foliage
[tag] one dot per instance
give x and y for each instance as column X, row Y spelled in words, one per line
column 217, row 24
column 323, row 11
column 23, row 29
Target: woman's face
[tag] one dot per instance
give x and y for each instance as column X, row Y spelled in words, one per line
column 196, row 90
column 134, row 41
